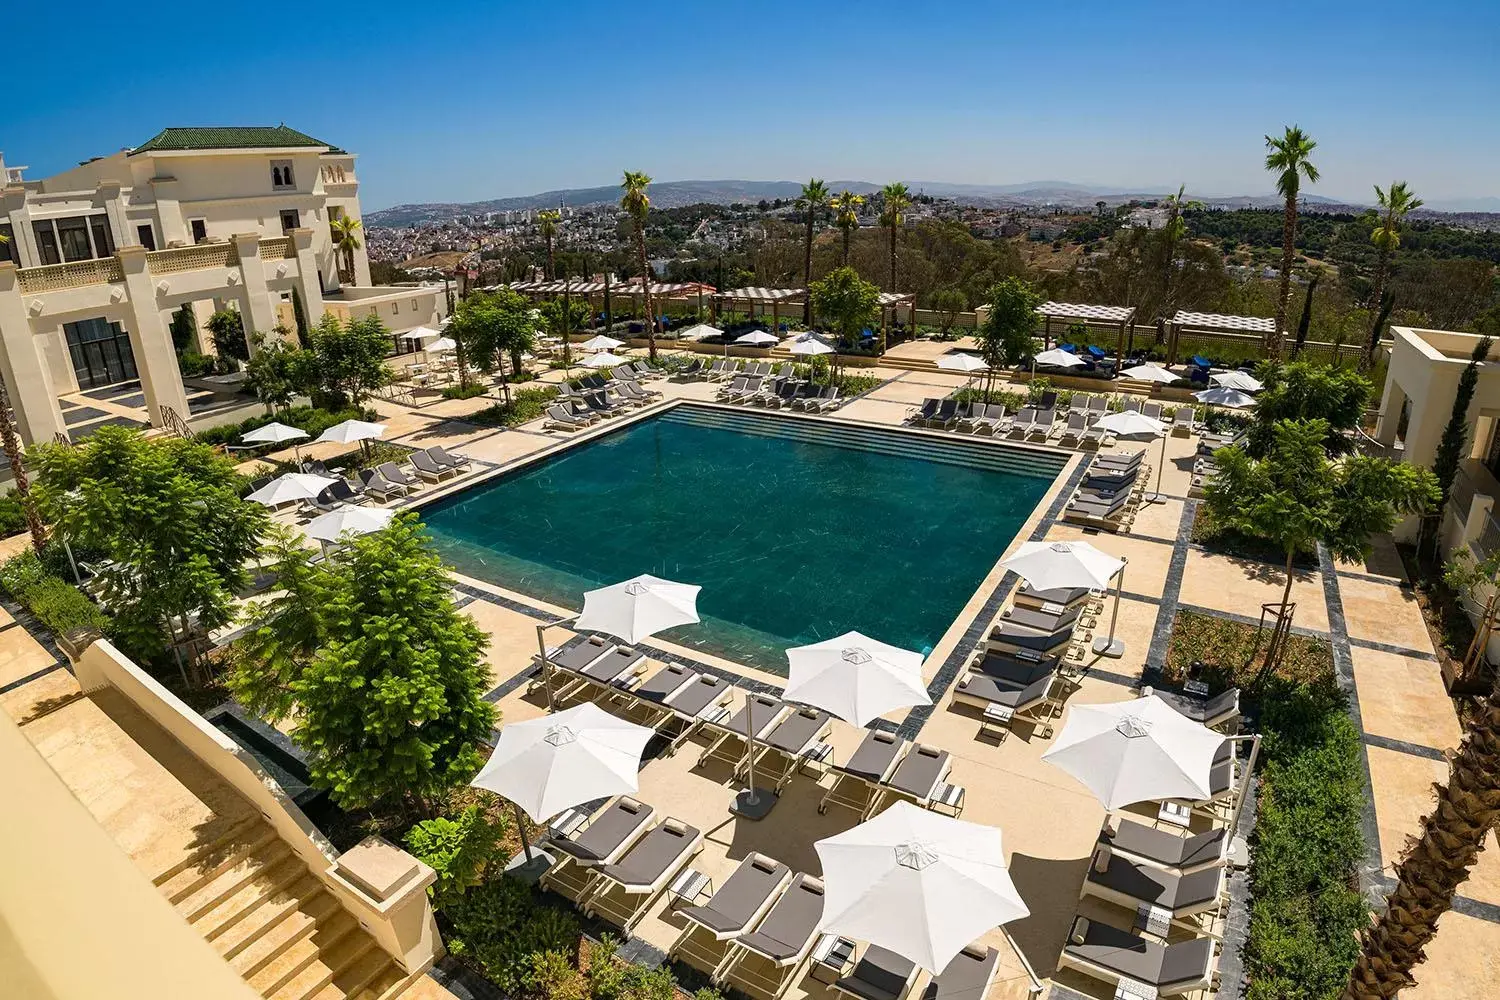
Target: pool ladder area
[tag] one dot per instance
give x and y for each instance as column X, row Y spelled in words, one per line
column 991, row 457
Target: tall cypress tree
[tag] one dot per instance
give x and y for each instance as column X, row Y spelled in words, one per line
column 1450, row 450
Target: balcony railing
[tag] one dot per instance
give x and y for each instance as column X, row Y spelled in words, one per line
column 76, row 274
column 193, row 258
column 81, row 273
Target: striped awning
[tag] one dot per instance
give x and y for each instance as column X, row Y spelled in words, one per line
column 633, row 287
column 1082, row 311
column 763, row 294
column 1217, row 321
column 897, row 298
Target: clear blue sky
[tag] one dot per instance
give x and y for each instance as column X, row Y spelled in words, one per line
column 463, row 101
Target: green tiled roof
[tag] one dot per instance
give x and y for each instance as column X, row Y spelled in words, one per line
column 228, row 137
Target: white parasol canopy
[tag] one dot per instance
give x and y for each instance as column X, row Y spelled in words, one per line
column 441, row 345
column 273, row 433
column 1058, row 357
column 1130, row 422
column 1136, row 751
column 600, row 343
column 292, row 486
column 700, row 331
column 757, row 338
column 961, row 362
column 1150, row 373
column 1237, row 380
column 603, row 359
column 1063, row 565
column 420, row 333
column 916, row 883
column 357, row 520
column 1223, row 396
column 639, row 607
column 562, row 760
column 855, row 677
column 808, row 344
column 350, row 431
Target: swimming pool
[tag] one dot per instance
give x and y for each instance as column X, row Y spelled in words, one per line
column 797, row 530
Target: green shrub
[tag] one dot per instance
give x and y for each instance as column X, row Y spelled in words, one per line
column 192, row 364
column 499, row 925
column 465, row 391
column 12, row 515
column 459, row 850
column 57, row 604
column 311, row 419
column 525, row 405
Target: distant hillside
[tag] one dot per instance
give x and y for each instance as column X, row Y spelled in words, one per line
column 675, row 194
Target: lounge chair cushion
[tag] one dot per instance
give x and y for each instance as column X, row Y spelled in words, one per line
column 1127, row 954
column 741, row 896
column 880, row 975
column 653, row 855
column 608, row 831
column 965, row 977
column 789, row 926
column 1165, row 847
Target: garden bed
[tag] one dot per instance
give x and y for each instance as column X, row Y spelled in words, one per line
column 525, row 405
column 1306, row 909
column 1228, row 542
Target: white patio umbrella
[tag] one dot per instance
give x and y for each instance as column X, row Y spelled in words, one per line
column 600, row 343
column 276, row 433
column 291, row 486
column 546, row 765
column 855, row 677
column 961, row 362
column 420, row 333
column 1130, row 423
column 603, row 359
column 441, row 345
column 1057, row 356
column 810, row 346
column 1136, row 751
column 1067, row 565
column 700, row 331
column 758, row 338
column 919, row 884
column 350, row 431
column 639, row 607
column 1237, row 380
column 359, row 520
column 1150, row 373
column 1223, row 396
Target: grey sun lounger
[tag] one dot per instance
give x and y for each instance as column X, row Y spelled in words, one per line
column 561, row 418
column 1165, row 849
column 1099, row 511
column 1129, row 884
column 1021, row 425
column 1223, row 708
column 1184, row 421
column 1041, row 620
column 919, row 773
column 611, row 833
column 1110, row 954
column 662, row 685
column 870, row 766
column 623, row 891
column 442, row 456
column 1129, row 461
column 393, row 473
column 880, row 974
column 428, row 469
column 617, row 667
column 993, row 420
column 1073, row 431
column 794, row 736
column 946, row 415
column 783, row 940
column 743, row 898
column 728, row 744
column 967, row 977
column 1061, row 597
column 1041, row 425
column 1009, row 637
column 579, row 652
column 927, row 411
column 1020, row 688
column 373, row 482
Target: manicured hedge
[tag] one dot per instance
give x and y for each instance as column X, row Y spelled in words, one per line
column 57, row 604
column 525, row 405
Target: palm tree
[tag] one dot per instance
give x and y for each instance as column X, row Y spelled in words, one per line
column 12, row 443
column 1289, row 159
column 1396, row 203
column 846, row 215
column 637, row 205
column 1468, row 806
column 814, row 199
column 547, row 220
column 345, row 231
column 1173, row 234
column 897, row 201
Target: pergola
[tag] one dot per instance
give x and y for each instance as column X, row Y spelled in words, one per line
column 761, row 296
column 1234, row 328
column 1121, row 318
column 890, row 302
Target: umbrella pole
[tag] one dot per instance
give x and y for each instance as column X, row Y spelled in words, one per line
column 1157, row 497
column 1112, row 646
column 521, row 829
column 541, row 645
column 750, row 750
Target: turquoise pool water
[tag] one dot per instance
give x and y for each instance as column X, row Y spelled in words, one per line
column 796, row 530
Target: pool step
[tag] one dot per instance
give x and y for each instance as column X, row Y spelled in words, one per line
column 968, row 454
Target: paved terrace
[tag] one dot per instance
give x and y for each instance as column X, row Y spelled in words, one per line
column 1049, row 821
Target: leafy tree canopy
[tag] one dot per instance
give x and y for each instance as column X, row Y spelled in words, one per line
column 1005, row 336
column 845, row 303
column 167, row 517
column 1306, row 390
column 492, row 325
column 280, row 371
column 349, row 358
column 381, row 674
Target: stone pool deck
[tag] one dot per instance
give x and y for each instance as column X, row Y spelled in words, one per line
column 1049, row 821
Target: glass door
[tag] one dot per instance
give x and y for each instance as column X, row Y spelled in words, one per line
column 100, row 352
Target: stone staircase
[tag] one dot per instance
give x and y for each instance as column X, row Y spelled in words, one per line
column 275, row 923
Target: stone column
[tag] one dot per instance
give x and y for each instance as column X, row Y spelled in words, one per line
column 108, row 195
column 1391, row 400
column 256, row 308
column 32, row 395
column 150, row 338
column 174, row 228
column 307, row 275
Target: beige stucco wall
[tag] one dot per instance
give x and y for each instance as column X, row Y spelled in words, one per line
column 78, row 920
